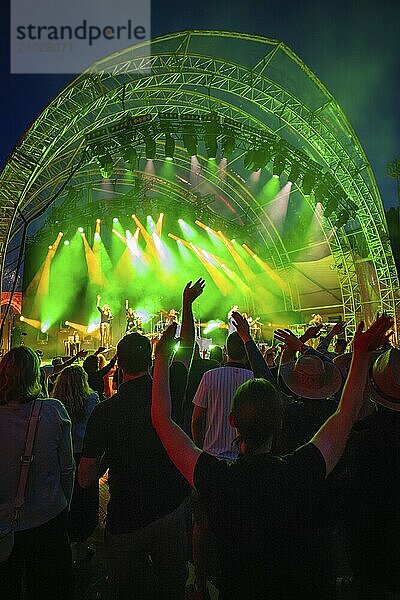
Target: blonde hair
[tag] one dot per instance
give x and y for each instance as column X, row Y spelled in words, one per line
column 19, row 376
column 72, row 389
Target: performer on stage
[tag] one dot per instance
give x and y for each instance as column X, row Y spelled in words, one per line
column 172, row 316
column 131, row 321
column 231, row 324
column 105, row 323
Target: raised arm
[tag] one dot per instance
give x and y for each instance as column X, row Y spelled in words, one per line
column 58, row 368
column 190, row 293
column 332, row 437
column 337, row 329
column 98, row 302
column 256, row 359
column 179, row 447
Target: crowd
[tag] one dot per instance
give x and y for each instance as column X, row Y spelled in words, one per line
column 276, row 476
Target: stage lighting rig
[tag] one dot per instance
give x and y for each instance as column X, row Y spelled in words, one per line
column 150, row 144
column 294, row 173
column 279, row 164
column 106, row 164
column 130, row 158
column 342, row 218
column 212, row 130
column 308, row 182
column 228, row 145
column 257, row 158
column 190, row 140
column 169, row 150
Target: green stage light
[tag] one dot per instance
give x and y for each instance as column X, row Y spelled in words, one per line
column 66, row 243
column 115, row 220
column 80, row 229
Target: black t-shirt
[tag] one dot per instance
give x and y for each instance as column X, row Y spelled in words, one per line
column 302, row 418
column 144, row 484
column 367, row 484
column 96, row 378
column 261, row 509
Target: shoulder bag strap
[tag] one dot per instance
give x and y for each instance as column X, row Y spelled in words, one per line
column 27, row 458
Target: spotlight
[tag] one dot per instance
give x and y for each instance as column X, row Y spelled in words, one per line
column 228, row 146
column 130, row 158
column 321, row 193
column 67, row 323
column 80, row 229
column 294, row 173
column 106, row 165
column 212, row 130
column 279, row 165
column 50, row 247
column 169, row 146
column 330, row 207
column 190, row 143
column 66, row 243
column 308, row 182
column 342, row 219
column 256, row 159
column 22, row 318
column 98, row 221
column 150, row 143
column 115, row 220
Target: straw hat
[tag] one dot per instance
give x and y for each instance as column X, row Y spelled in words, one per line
column 384, row 379
column 311, row 377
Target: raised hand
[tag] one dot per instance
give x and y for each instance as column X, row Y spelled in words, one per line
column 191, row 292
column 373, row 337
column 166, row 344
column 242, row 326
column 338, row 328
column 288, row 338
column 312, row 332
column 82, row 354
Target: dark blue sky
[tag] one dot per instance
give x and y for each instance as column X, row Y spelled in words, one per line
column 353, row 46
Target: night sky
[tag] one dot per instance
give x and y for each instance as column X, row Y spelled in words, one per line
column 353, row 47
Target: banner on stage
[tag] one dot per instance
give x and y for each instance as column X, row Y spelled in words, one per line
column 54, row 36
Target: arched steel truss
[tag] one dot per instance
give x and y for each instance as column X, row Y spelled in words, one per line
column 259, row 83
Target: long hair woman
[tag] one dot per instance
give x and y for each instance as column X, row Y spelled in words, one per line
column 73, row 390
column 41, row 552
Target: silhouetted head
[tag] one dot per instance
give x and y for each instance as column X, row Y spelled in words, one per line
column 256, row 412
column 134, row 354
column 235, row 347
column 19, row 376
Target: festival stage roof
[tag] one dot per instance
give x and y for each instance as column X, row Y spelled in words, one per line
column 261, row 151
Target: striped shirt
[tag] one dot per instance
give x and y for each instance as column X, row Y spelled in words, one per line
column 215, row 393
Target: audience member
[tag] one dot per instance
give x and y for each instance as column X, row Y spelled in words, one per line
column 147, row 511
column 261, row 507
column 216, row 353
column 197, row 369
column 369, row 484
column 312, row 384
column 41, row 555
column 95, row 374
column 72, row 389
